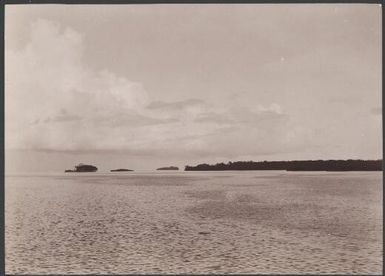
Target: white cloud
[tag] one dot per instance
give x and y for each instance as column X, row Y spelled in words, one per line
column 274, row 108
column 55, row 102
column 48, row 76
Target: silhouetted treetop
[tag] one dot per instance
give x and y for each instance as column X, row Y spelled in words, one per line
column 298, row 165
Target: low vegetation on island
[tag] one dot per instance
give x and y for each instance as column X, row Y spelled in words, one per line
column 121, row 170
column 303, row 165
column 83, row 168
column 171, row 168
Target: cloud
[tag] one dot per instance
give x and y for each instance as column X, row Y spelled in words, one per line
column 180, row 105
column 55, row 102
column 62, row 116
column 212, row 117
column 49, row 75
column 185, row 111
column 272, row 108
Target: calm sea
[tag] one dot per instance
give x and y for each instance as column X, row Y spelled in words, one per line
column 194, row 222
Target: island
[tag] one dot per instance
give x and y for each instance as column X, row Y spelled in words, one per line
column 121, row 170
column 83, row 168
column 171, row 168
column 297, row 165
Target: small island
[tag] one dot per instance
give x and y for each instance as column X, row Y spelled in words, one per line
column 171, row 168
column 83, row 168
column 121, row 170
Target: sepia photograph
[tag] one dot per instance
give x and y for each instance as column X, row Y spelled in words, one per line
column 206, row 138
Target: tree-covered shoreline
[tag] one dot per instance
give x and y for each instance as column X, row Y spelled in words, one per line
column 297, row 165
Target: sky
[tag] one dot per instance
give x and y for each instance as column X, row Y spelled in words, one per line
column 145, row 86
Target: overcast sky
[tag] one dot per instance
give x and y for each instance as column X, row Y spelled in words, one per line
column 143, row 86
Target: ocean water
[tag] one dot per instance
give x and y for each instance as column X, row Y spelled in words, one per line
column 194, row 222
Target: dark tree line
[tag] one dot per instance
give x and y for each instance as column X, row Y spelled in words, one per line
column 303, row 165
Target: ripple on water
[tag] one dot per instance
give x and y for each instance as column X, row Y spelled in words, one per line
column 194, row 224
